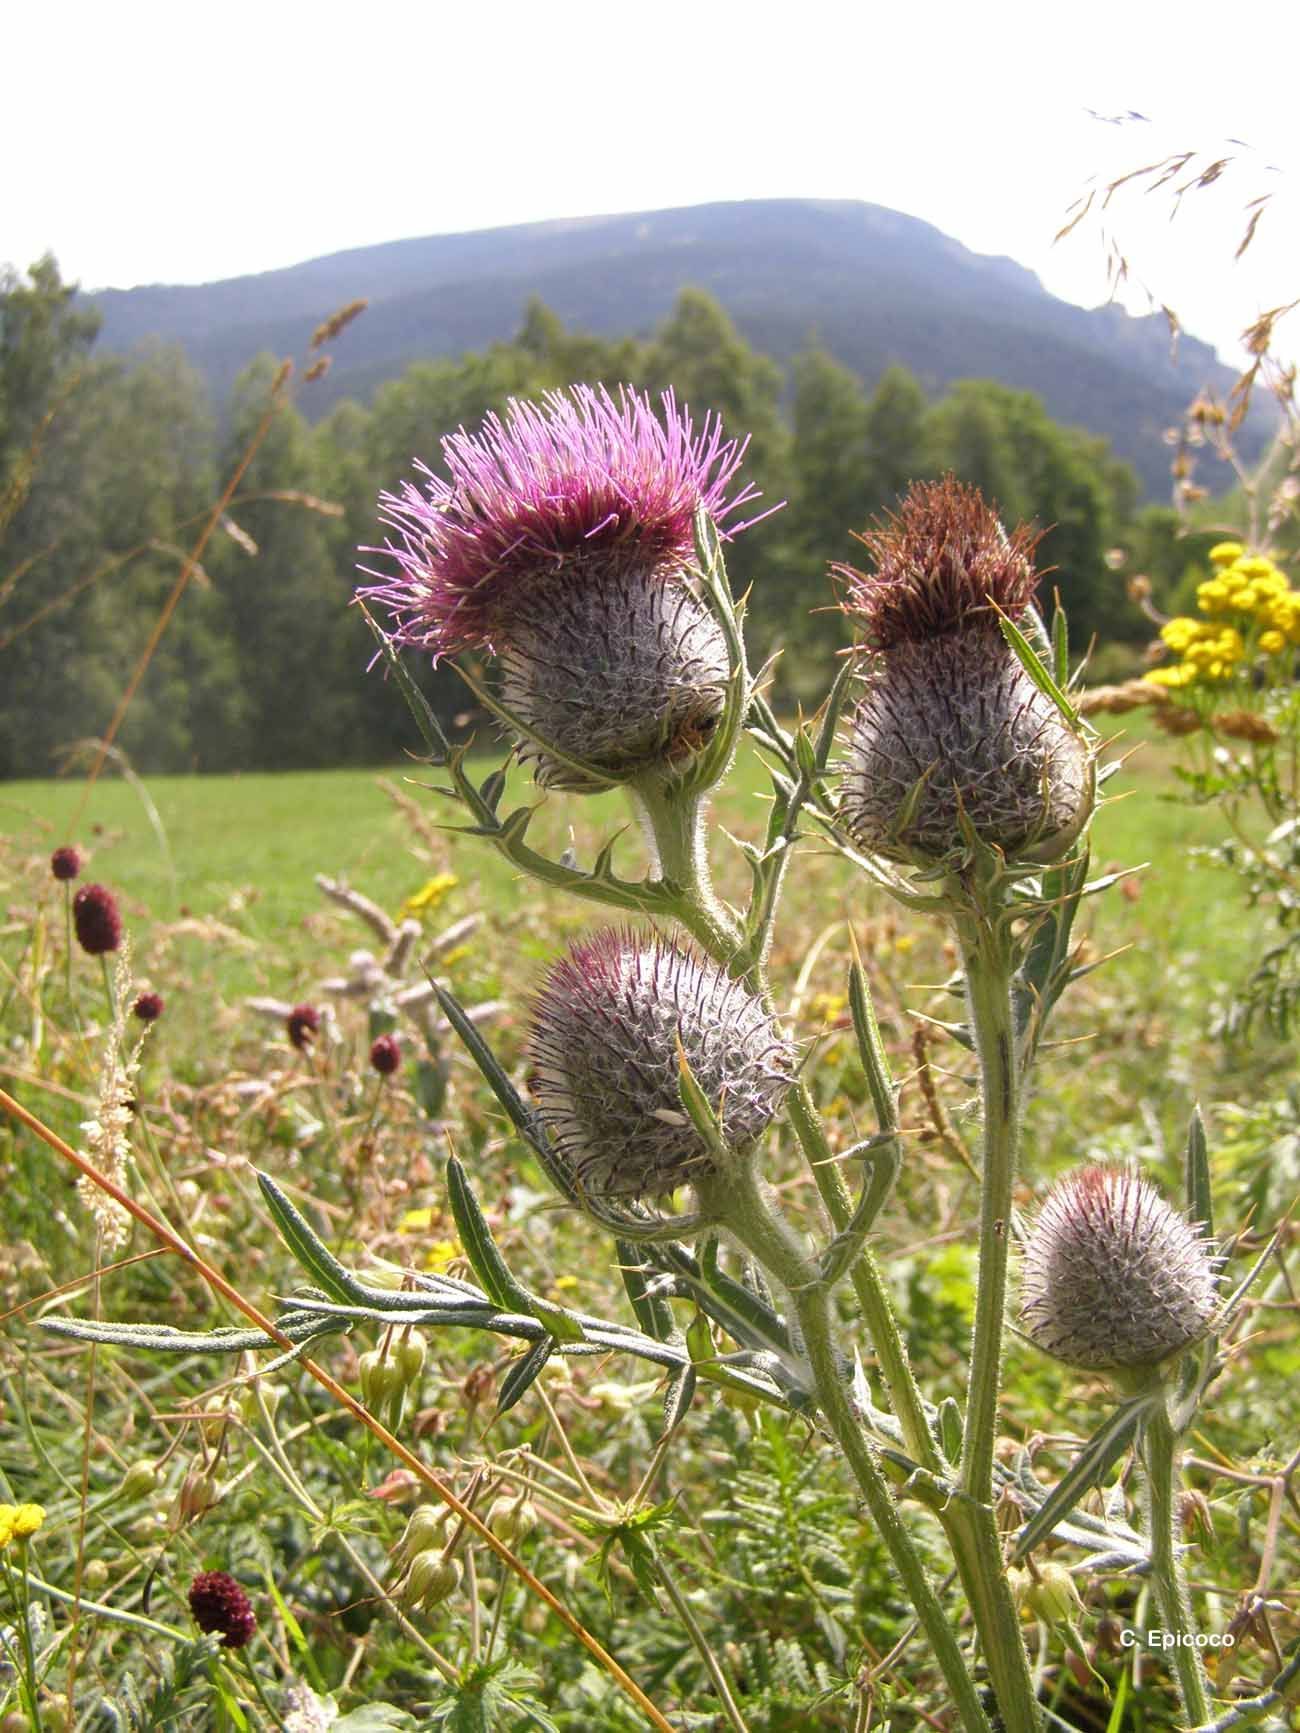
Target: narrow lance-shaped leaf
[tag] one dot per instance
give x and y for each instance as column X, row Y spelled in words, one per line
column 489, row 1265
column 1107, row 1444
column 523, row 1374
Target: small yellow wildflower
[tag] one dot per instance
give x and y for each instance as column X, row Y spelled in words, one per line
column 27, row 1519
column 1226, row 552
column 1272, row 643
column 1253, row 566
column 1181, row 674
column 424, row 901
column 7, row 1514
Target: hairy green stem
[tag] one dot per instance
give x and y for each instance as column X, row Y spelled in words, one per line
column 868, row 1286
column 1168, row 1579
column 988, row 965
column 771, row 1240
column 971, row 1526
column 674, row 833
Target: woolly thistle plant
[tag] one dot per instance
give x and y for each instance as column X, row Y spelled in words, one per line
column 952, row 734
column 562, row 544
column 1113, row 1278
column 612, row 1027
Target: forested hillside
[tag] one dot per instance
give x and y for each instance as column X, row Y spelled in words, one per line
column 108, row 466
column 877, row 288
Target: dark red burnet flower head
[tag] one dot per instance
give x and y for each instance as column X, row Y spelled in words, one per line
column 385, row 1054
column 97, row 921
column 303, row 1025
column 218, row 1603
column 65, row 862
column 148, row 1007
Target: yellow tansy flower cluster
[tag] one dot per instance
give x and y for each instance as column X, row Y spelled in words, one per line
column 1249, row 608
column 424, row 901
column 18, row 1521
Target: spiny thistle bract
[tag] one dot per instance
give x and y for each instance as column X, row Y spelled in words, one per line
column 561, row 544
column 951, row 732
column 1112, row 1276
column 605, row 1063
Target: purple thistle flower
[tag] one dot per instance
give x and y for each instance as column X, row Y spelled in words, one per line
column 560, row 544
column 605, row 1063
column 65, row 863
column 96, row 919
column 302, row 1025
column 218, row 1603
column 1112, row 1276
column 148, row 1007
column 385, row 1054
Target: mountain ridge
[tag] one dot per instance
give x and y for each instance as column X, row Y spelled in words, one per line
column 875, row 286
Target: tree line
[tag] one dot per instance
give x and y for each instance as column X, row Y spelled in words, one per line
column 109, row 464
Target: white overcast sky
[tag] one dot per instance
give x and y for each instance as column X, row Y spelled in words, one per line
column 191, row 141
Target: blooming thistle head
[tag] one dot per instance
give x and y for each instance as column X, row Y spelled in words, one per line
column 1113, row 1278
column 605, row 1063
column 302, row 1026
column 560, row 544
column 951, row 732
column 97, row 921
column 218, row 1603
column 65, row 862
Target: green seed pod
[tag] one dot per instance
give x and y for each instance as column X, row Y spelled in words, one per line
column 1053, row 1596
column 94, row 1574
column 380, row 1376
column 139, row 1480
column 512, row 1519
column 1113, row 1278
column 426, row 1528
column 410, row 1357
column 430, row 1580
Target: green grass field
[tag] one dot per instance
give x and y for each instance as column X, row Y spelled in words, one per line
column 216, row 877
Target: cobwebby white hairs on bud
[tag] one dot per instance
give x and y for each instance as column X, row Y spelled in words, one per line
column 606, row 1063
column 1113, row 1277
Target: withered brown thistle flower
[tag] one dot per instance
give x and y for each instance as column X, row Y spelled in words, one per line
column 951, row 732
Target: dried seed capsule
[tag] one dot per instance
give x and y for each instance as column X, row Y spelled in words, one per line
column 1114, row 1278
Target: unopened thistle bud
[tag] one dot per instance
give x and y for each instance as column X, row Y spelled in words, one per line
column 1113, row 1278
column 951, row 732
column 65, row 863
column 606, row 1063
column 561, row 544
column 96, row 919
column 218, row 1603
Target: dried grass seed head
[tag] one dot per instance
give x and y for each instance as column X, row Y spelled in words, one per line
column 1112, row 1276
column 605, row 1063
